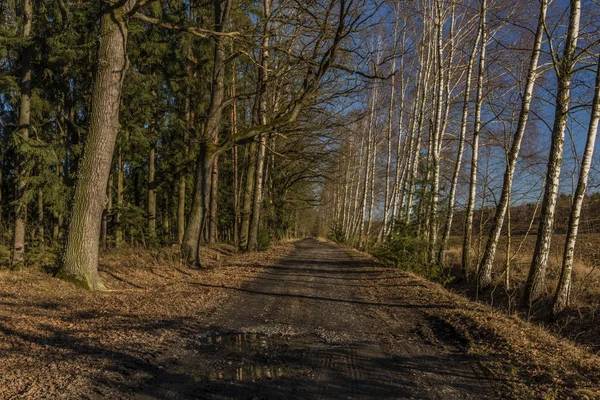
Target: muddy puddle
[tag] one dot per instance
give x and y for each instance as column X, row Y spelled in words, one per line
column 242, row 357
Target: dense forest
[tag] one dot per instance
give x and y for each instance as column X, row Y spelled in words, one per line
column 146, row 123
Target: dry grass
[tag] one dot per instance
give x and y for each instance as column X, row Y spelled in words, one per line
column 581, row 323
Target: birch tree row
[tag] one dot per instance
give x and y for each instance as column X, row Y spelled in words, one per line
column 460, row 91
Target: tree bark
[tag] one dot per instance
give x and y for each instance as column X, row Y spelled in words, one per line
column 40, row 215
column 387, row 201
column 485, row 270
column 467, row 240
column 57, row 216
column 235, row 163
column 260, row 118
column 257, row 200
column 106, row 213
column 120, row 200
column 18, row 247
column 536, row 281
column 206, row 156
column 248, row 195
column 436, row 143
column 152, row 190
column 367, row 157
column 459, row 154
column 80, row 262
column 563, row 292
column 214, row 193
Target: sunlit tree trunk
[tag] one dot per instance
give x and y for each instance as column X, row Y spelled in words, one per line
column 371, row 189
column 563, row 292
column 367, row 157
column 468, row 236
column 460, row 152
column 80, row 262
column 260, row 110
column 436, row 134
column 425, row 66
column 485, row 270
column 390, row 130
column 536, row 281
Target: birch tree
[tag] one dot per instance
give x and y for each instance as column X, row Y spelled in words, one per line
column 563, row 292
column 536, row 280
column 468, row 235
column 485, row 269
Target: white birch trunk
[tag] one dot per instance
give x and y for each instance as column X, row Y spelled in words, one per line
column 563, row 292
column 485, row 269
column 536, row 281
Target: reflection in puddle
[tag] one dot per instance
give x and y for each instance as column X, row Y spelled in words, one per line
column 252, row 373
column 248, row 357
column 239, row 341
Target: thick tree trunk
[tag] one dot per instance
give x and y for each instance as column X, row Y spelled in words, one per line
column 485, row 270
column 200, row 204
column 206, row 156
column 18, row 247
column 536, row 281
column 468, row 237
column 563, row 292
column 80, row 262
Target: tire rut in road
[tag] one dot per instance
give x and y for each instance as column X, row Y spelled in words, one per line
column 322, row 339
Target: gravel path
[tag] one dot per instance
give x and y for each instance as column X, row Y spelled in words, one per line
column 316, row 326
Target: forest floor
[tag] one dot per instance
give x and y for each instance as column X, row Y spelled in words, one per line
column 303, row 320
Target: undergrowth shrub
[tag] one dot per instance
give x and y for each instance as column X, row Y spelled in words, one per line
column 263, row 240
column 336, row 233
column 406, row 250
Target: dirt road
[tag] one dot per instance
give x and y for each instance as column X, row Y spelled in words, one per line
column 315, row 326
